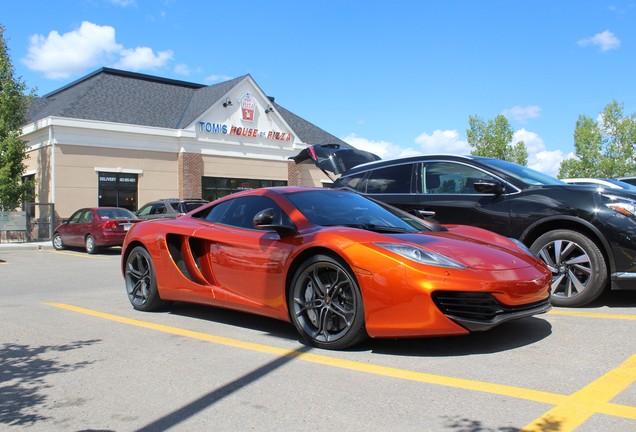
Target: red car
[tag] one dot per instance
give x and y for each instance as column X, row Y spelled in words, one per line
column 93, row 228
column 337, row 265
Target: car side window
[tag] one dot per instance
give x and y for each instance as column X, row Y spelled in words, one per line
column 354, row 182
column 451, row 178
column 87, row 216
column 394, row 179
column 145, row 210
column 243, row 210
column 75, row 217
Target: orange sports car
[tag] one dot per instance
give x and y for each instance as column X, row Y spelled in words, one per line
column 337, row 265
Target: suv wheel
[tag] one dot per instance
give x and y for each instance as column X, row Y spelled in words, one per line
column 579, row 272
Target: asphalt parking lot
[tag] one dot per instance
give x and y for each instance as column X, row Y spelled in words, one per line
column 75, row 356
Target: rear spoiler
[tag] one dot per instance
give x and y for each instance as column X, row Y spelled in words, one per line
column 334, row 158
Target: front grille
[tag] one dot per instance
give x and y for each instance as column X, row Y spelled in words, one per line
column 475, row 306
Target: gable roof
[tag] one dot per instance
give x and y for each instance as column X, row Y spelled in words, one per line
column 118, row 96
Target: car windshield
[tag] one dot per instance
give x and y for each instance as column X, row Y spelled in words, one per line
column 522, row 173
column 343, row 208
column 115, row 214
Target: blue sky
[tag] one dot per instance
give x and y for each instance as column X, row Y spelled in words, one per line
column 395, row 78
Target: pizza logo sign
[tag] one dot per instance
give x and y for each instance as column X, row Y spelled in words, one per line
column 247, row 106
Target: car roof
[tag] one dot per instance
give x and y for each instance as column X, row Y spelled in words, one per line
column 411, row 159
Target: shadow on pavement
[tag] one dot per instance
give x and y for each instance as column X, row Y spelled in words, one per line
column 23, row 370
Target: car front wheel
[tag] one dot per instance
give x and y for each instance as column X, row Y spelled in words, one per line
column 326, row 305
column 58, row 244
column 579, row 272
column 141, row 281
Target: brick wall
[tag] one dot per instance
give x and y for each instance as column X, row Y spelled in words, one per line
column 190, row 173
column 294, row 174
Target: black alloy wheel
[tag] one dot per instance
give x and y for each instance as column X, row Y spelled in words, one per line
column 141, row 281
column 326, row 305
column 579, row 271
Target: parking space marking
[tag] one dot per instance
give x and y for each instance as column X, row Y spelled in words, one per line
column 593, row 315
column 586, row 397
column 584, row 403
column 77, row 254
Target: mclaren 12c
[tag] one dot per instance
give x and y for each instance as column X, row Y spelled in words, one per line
column 339, row 266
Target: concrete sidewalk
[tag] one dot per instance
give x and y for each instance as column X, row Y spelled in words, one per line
column 26, row 246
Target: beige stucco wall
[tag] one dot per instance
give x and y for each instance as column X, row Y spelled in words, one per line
column 218, row 166
column 312, row 176
column 76, row 176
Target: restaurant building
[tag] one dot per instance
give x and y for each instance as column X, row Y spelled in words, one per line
column 117, row 138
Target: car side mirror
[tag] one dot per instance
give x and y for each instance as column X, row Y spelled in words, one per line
column 489, row 187
column 271, row 219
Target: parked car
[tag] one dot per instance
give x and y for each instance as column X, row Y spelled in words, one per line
column 168, row 208
column 339, row 266
column 601, row 182
column 585, row 235
column 94, row 228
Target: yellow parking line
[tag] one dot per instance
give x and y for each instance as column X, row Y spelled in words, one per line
column 592, row 315
column 77, row 254
column 601, row 406
column 584, row 403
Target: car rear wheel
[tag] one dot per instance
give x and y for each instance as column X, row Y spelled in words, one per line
column 326, row 305
column 141, row 281
column 89, row 241
column 58, row 244
column 579, row 272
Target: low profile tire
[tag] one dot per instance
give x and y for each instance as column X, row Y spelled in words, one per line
column 579, row 271
column 141, row 281
column 325, row 303
column 91, row 248
column 58, row 244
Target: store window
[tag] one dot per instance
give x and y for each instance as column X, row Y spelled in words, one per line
column 29, row 194
column 118, row 190
column 217, row 187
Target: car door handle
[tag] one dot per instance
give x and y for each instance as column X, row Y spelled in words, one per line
column 422, row 213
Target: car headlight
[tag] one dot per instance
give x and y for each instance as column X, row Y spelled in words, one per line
column 624, row 206
column 420, row 255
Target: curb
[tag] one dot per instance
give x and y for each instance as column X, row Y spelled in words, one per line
column 25, row 246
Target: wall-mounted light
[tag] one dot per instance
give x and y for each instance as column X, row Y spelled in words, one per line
column 227, row 103
column 269, row 109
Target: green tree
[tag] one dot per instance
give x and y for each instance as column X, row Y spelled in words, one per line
column 604, row 148
column 494, row 139
column 13, row 105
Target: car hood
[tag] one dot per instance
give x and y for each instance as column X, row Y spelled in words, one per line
column 472, row 252
column 334, row 158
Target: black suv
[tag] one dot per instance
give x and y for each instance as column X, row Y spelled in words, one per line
column 586, row 235
column 168, row 208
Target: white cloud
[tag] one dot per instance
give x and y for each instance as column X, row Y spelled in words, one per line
column 443, row 142
column 539, row 158
column 604, row 40
column 124, row 3
column 60, row 56
column 522, row 114
column 142, row 58
column 449, row 142
column 384, row 149
column 216, row 78
column 182, row 69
